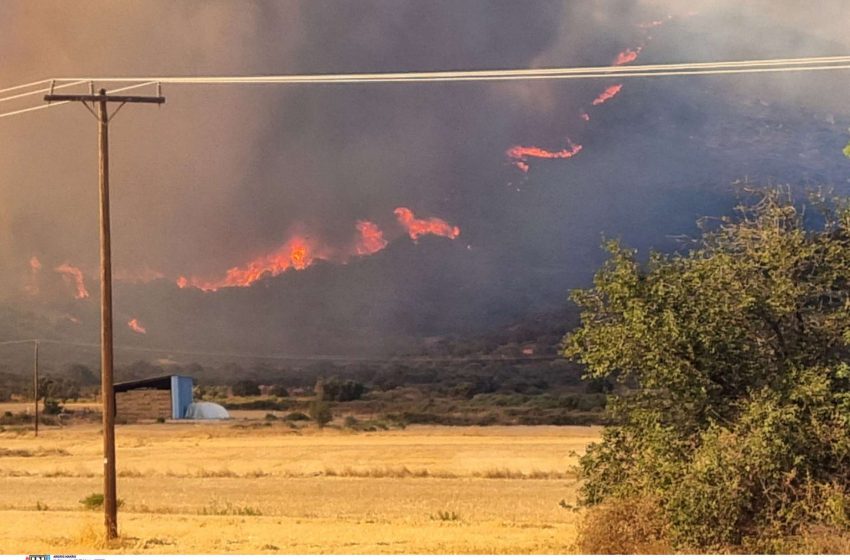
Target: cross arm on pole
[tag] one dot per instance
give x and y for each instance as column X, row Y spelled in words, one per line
column 97, row 98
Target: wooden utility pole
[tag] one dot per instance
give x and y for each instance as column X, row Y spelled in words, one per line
column 35, row 386
column 97, row 104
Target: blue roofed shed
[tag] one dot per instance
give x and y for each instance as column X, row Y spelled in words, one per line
column 166, row 397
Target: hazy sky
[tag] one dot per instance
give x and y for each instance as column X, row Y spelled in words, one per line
column 220, row 174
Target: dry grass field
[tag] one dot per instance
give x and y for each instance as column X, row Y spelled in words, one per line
column 245, row 487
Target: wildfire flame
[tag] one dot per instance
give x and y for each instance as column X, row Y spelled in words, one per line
column 35, row 264
column 75, row 275
column 519, row 154
column 627, row 56
column 417, row 227
column 371, row 238
column 136, row 326
column 609, row 92
column 299, row 252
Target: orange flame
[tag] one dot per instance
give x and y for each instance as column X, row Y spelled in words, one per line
column 75, row 275
column 417, row 227
column 371, row 238
column 300, row 252
column 293, row 254
column 607, row 94
column 297, row 253
column 584, row 116
column 519, row 154
column 136, row 326
column 32, row 286
column 627, row 56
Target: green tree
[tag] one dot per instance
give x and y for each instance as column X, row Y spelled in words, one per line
column 82, row 374
column 278, row 390
column 732, row 409
column 320, row 412
column 335, row 389
column 246, row 388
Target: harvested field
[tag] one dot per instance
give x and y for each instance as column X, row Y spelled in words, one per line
column 212, row 488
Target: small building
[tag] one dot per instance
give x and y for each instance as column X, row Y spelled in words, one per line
column 167, row 397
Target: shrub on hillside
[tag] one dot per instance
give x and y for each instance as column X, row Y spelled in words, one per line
column 245, row 388
column 337, row 390
column 320, row 413
column 733, row 408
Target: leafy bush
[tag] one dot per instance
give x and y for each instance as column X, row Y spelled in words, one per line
column 732, row 413
column 624, row 526
column 278, row 391
column 334, row 389
column 51, row 406
column 320, row 412
column 95, row 501
column 245, row 388
column 260, row 404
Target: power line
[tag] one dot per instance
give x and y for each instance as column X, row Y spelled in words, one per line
column 58, row 103
column 307, row 357
column 44, row 90
column 23, row 86
column 806, row 64
column 496, row 74
column 491, row 73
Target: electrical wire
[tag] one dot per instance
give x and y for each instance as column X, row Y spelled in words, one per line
column 301, row 357
column 58, row 103
column 634, row 71
column 44, row 90
column 497, row 74
column 23, row 86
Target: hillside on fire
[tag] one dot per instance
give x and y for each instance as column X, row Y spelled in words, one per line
column 424, row 277
column 532, row 239
column 331, row 236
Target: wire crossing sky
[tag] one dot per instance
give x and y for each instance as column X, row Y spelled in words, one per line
column 776, row 65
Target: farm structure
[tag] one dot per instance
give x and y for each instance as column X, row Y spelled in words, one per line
column 166, row 397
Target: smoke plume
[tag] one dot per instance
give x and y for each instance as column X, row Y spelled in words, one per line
column 251, row 195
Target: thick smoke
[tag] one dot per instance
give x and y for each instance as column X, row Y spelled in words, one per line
column 221, row 176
